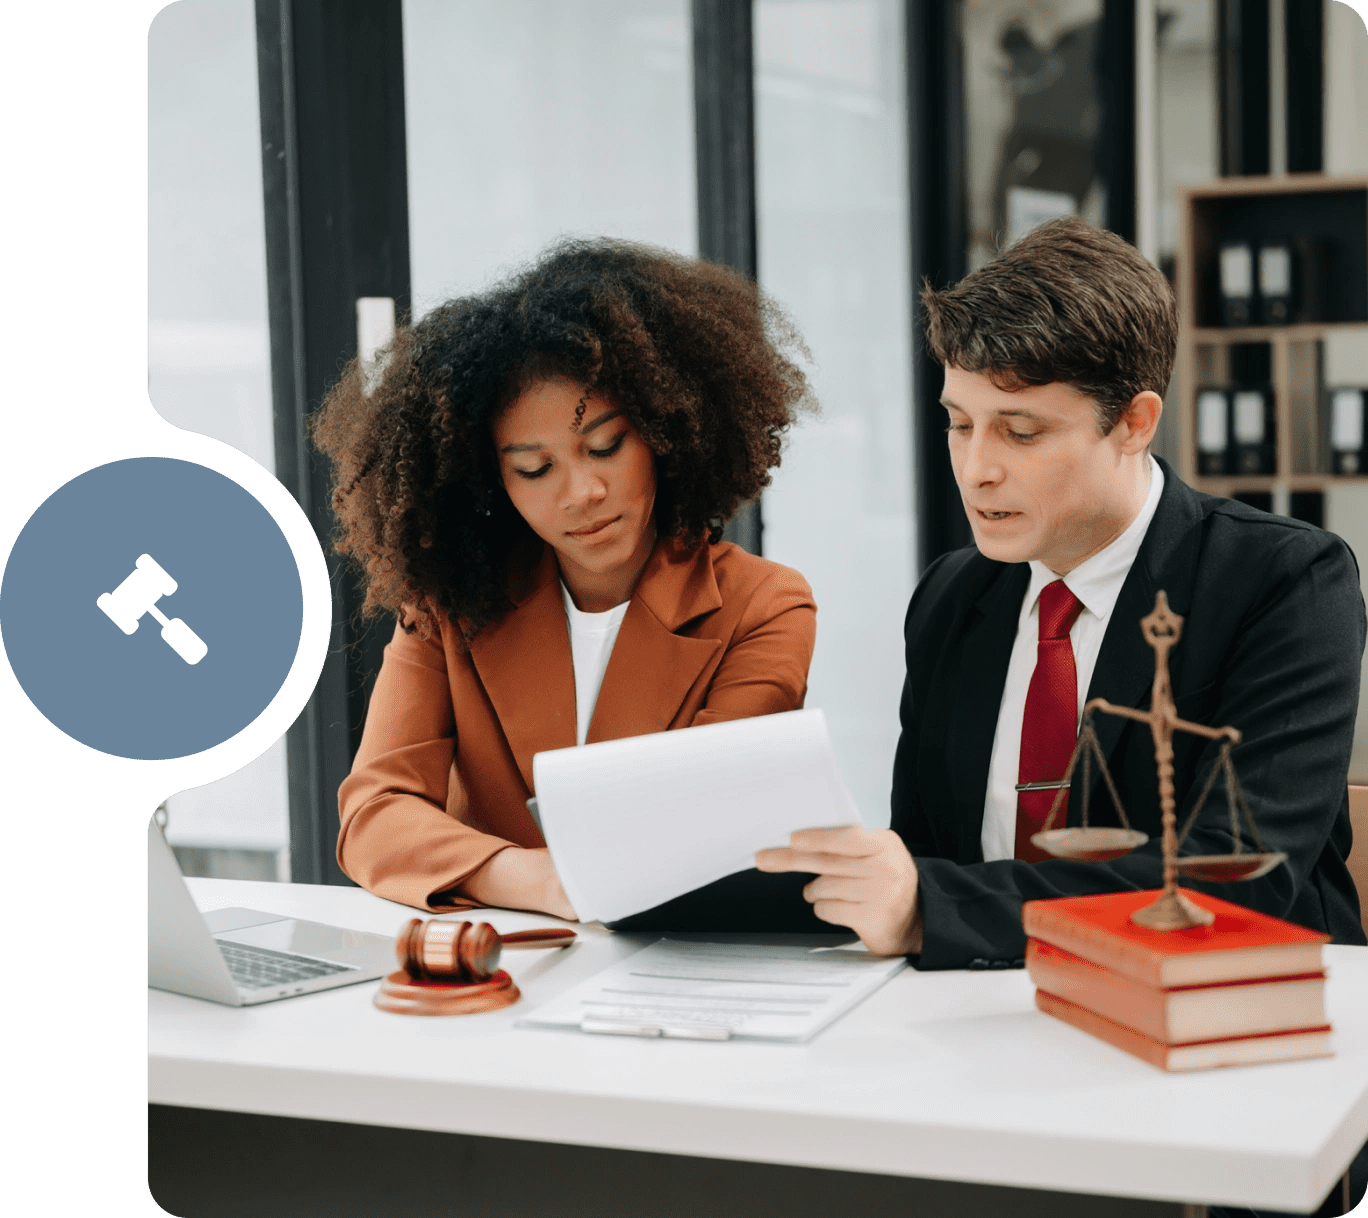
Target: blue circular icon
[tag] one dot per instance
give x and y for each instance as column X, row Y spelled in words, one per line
column 151, row 608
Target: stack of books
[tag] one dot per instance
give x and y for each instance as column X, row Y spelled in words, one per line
column 1248, row 988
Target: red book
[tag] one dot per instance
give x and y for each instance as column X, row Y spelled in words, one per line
column 1201, row 1055
column 1238, row 946
column 1186, row 1013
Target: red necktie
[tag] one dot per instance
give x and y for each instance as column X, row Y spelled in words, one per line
column 1049, row 726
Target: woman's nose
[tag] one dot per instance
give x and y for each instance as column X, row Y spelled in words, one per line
column 583, row 486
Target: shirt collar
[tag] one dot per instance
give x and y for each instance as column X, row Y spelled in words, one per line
column 1097, row 580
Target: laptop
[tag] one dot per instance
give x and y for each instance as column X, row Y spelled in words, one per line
column 242, row 956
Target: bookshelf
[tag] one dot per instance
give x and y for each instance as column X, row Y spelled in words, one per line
column 1331, row 211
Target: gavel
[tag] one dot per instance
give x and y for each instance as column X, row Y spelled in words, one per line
column 139, row 594
column 462, row 952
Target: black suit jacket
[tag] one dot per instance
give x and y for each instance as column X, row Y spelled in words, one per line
column 1271, row 644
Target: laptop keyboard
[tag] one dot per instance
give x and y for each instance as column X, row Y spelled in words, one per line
column 260, row 968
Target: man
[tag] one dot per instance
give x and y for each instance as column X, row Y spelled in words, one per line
column 1056, row 358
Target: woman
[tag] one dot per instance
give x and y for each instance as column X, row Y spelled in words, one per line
column 535, row 490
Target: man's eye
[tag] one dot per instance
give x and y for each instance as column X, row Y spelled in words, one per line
column 610, row 450
column 957, row 427
column 1023, row 437
column 531, row 473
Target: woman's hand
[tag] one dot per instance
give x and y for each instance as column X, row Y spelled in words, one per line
column 520, row 879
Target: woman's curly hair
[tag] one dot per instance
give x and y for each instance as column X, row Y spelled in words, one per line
column 693, row 353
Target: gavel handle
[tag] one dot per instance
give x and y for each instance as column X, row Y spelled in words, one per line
column 546, row 936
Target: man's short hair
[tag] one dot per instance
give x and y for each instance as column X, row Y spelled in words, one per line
column 1067, row 303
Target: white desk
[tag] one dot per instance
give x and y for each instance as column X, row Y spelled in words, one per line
column 945, row 1076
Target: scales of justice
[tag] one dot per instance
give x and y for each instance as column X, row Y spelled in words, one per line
column 1172, row 911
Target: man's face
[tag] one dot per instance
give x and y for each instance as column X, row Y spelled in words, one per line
column 1038, row 478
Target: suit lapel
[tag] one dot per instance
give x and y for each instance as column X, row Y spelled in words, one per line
column 525, row 666
column 976, row 691
column 652, row 667
column 1124, row 673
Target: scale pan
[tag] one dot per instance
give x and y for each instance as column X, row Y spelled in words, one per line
column 1222, row 868
column 1089, row 845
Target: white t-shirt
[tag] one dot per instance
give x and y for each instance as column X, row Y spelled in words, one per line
column 1097, row 583
column 592, row 636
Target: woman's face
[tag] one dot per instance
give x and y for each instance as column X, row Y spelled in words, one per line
column 587, row 491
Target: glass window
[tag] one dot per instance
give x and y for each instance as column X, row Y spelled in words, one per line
column 529, row 120
column 209, row 342
column 1188, row 148
column 833, row 234
column 1189, row 144
column 208, row 338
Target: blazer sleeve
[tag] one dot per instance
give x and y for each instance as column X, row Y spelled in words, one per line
column 923, row 621
column 401, row 836
column 764, row 668
column 1289, row 681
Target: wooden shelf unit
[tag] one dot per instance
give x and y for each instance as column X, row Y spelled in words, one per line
column 1203, row 350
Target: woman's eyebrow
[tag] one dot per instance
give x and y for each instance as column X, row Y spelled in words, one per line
column 601, row 420
column 584, row 431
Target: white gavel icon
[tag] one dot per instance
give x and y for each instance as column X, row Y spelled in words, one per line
column 138, row 594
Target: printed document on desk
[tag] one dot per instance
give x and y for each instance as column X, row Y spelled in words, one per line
column 634, row 823
column 688, row 990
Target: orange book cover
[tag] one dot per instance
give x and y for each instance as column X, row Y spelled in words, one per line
column 1201, row 1055
column 1185, row 1013
column 1239, row 945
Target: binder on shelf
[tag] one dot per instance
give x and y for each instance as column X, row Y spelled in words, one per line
column 1253, row 426
column 1276, row 266
column 1250, row 364
column 1347, row 429
column 1313, row 265
column 1213, row 432
column 1308, row 506
column 1237, row 283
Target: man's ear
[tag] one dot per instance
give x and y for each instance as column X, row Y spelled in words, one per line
column 1136, row 427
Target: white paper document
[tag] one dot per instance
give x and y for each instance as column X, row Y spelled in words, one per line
column 684, row 989
column 634, row 823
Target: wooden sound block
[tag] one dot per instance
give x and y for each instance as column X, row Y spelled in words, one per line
column 400, row 994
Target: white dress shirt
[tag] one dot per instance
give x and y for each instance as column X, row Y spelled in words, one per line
column 1097, row 583
column 592, row 636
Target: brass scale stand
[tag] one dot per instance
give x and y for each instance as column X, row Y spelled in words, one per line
column 1172, row 911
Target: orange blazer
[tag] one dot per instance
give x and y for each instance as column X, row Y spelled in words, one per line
column 441, row 781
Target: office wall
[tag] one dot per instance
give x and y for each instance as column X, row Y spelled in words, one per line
column 832, row 202
column 208, row 341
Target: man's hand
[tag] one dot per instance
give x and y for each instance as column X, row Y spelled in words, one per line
column 866, row 880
